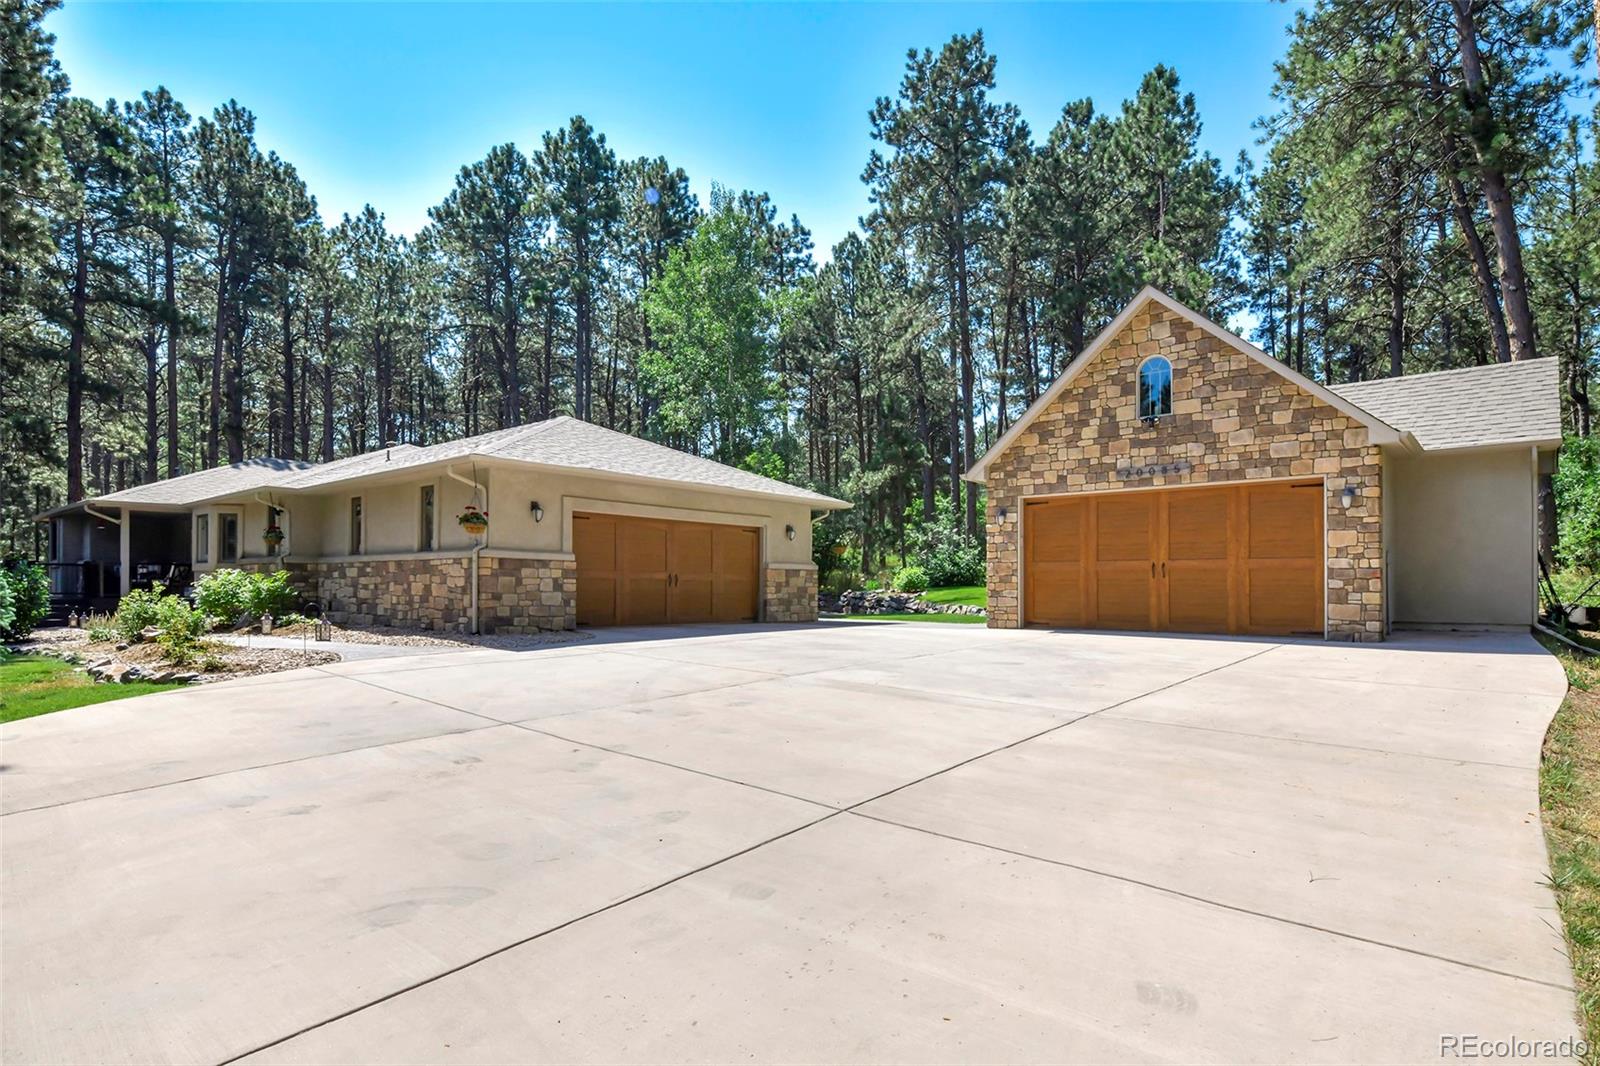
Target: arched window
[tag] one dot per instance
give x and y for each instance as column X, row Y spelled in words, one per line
column 1155, row 388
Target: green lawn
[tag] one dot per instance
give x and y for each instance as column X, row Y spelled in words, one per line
column 970, row 595
column 1569, row 798
column 958, row 618
column 32, row 685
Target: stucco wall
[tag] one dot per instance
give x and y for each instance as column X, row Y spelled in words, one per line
column 1232, row 419
column 1461, row 544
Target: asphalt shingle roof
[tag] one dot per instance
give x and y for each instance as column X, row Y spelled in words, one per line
column 1501, row 403
column 561, row 442
column 209, row 484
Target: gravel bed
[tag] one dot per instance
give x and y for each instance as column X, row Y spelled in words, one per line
column 217, row 660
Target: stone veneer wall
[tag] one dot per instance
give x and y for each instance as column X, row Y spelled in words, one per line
column 1232, row 419
column 419, row 593
column 514, row 595
column 791, row 595
column 526, row 595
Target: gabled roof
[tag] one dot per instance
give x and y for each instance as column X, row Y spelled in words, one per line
column 1379, row 432
column 562, row 444
column 1473, row 407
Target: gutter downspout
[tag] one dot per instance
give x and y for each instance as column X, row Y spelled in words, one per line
column 477, row 547
column 101, row 515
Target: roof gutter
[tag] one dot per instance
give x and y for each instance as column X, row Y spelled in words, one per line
column 477, row 547
column 101, row 515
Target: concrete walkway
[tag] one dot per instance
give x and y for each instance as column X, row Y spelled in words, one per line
column 842, row 843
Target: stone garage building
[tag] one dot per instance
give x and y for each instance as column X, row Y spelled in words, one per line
column 1175, row 477
column 586, row 526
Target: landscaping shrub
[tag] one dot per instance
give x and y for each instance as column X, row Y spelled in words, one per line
column 24, row 598
column 138, row 611
column 942, row 548
column 229, row 595
column 911, row 579
column 272, row 594
column 182, row 626
column 223, row 595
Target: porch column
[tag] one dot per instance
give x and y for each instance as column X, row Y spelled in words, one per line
column 126, row 572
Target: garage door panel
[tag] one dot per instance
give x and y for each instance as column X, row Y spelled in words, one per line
column 1058, row 595
column 1057, row 532
column 1123, row 528
column 1284, row 598
column 1285, row 522
column 1122, row 598
column 1197, row 597
column 1197, row 524
column 736, row 551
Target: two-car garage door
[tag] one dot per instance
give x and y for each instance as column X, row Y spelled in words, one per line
column 1224, row 559
column 648, row 571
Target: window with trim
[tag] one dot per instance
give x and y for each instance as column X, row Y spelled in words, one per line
column 228, row 537
column 355, row 525
column 425, row 520
column 202, row 538
column 1155, row 388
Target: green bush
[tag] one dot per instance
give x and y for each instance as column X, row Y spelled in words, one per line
column 229, row 595
column 1577, row 489
column 138, row 611
column 182, row 627
column 24, row 598
column 942, row 548
column 911, row 579
column 271, row 594
column 223, row 595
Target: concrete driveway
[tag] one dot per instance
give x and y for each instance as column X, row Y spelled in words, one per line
column 843, row 842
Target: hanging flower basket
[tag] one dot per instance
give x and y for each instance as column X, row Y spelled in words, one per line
column 474, row 521
column 273, row 536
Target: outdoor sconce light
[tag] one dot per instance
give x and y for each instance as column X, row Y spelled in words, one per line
column 1003, row 513
column 538, row 512
column 1347, row 496
column 788, row 531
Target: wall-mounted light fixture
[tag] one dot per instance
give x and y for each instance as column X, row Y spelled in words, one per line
column 1347, row 496
column 1003, row 513
column 538, row 512
column 788, row 531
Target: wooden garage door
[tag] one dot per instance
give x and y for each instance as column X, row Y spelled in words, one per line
column 648, row 571
column 1224, row 559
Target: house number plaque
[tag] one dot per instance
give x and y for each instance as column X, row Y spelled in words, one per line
column 1134, row 473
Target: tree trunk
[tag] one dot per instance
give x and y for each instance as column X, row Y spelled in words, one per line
column 286, row 437
column 80, row 314
column 218, row 336
column 152, row 389
column 1483, row 130
column 170, row 304
column 969, row 437
column 1482, row 273
column 327, row 381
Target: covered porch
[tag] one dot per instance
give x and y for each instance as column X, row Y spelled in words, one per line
column 98, row 555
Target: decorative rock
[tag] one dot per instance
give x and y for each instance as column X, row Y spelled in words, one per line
column 882, row 601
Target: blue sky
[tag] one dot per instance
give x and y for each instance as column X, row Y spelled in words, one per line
column 383, row 102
